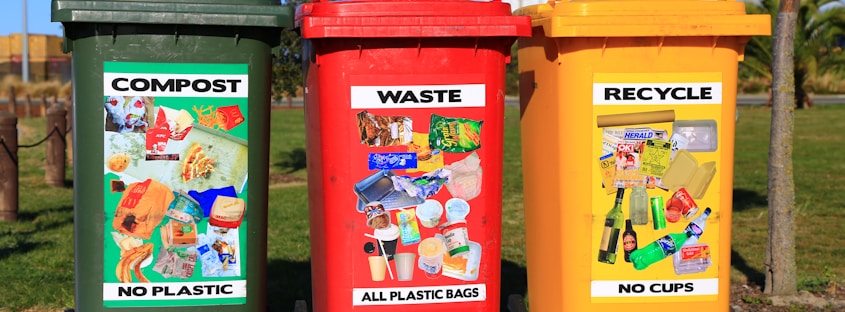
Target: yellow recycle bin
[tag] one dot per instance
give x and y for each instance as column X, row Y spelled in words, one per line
column 628, row 116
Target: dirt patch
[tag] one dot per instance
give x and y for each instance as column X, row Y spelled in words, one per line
column 282, row 180
column 750, row 298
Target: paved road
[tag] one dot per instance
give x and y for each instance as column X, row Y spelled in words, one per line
column 514, row 101
column 817, row 99
column 748, row 100
column 741, row 100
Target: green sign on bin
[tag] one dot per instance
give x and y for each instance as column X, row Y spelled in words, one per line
column 176, row 149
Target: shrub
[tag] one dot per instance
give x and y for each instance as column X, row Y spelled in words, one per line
column 36, row 89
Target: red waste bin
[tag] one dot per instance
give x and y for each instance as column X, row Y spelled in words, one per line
column 404, row 106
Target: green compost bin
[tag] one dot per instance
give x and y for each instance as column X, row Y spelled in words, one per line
column 171, row 125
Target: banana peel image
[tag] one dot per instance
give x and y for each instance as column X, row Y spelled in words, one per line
column 131, row 261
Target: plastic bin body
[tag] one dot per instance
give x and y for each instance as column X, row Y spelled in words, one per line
column 436, row 59
column 580, row 54
column 200, row 75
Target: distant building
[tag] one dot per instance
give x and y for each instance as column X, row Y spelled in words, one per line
column 46, row 59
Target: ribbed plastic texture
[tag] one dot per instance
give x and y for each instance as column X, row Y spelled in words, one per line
column 264, row 13
column 627, row 18
column 380, row 19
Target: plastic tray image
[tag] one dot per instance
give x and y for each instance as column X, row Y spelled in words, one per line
column 701, row 134
column 379, row 187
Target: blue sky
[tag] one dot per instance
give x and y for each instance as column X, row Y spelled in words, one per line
column 38, row 18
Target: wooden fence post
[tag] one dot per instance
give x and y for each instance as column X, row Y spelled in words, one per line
column 13, row 105
column 8, row 167
column 69, row 106
column 27, row 105
column 54, row 101
column 54, row 174
column 44, row 105
column 27, row 108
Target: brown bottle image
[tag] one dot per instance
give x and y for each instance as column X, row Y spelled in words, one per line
column 629, row 240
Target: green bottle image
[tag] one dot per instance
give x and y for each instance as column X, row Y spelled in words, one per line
column 658, row 250
column 612, row 226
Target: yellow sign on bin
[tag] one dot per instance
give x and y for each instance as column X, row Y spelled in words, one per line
column 635, row 116
column 628, row 119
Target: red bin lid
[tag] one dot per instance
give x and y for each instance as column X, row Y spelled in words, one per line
column 409, row 18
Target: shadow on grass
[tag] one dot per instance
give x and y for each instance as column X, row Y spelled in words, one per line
column 289, row 281
column 47, row 219
column 30, row 216
column 514, row 282
column 18, row 241
column 754, row 277
column 747, row 199
column 293, row 160
column 18, row 248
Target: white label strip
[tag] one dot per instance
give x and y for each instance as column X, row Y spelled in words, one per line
column 176, row 85
column 418, row 295
column 655, row 288
column 174, row 291
column 430, row 96
column 657, row 93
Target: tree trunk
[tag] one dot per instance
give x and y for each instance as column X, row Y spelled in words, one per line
column 780, row 250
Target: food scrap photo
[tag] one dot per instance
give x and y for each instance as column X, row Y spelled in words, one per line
column 128, row 114
column 378, row 130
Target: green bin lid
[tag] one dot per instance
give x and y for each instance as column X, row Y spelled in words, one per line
column 259, row 13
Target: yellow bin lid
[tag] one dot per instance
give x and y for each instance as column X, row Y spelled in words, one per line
column 632, row 18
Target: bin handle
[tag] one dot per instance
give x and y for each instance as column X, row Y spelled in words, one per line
column 302, row 11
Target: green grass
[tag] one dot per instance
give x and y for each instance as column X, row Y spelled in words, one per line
column 36, row 253
column 818, row 166
column 287, row 139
